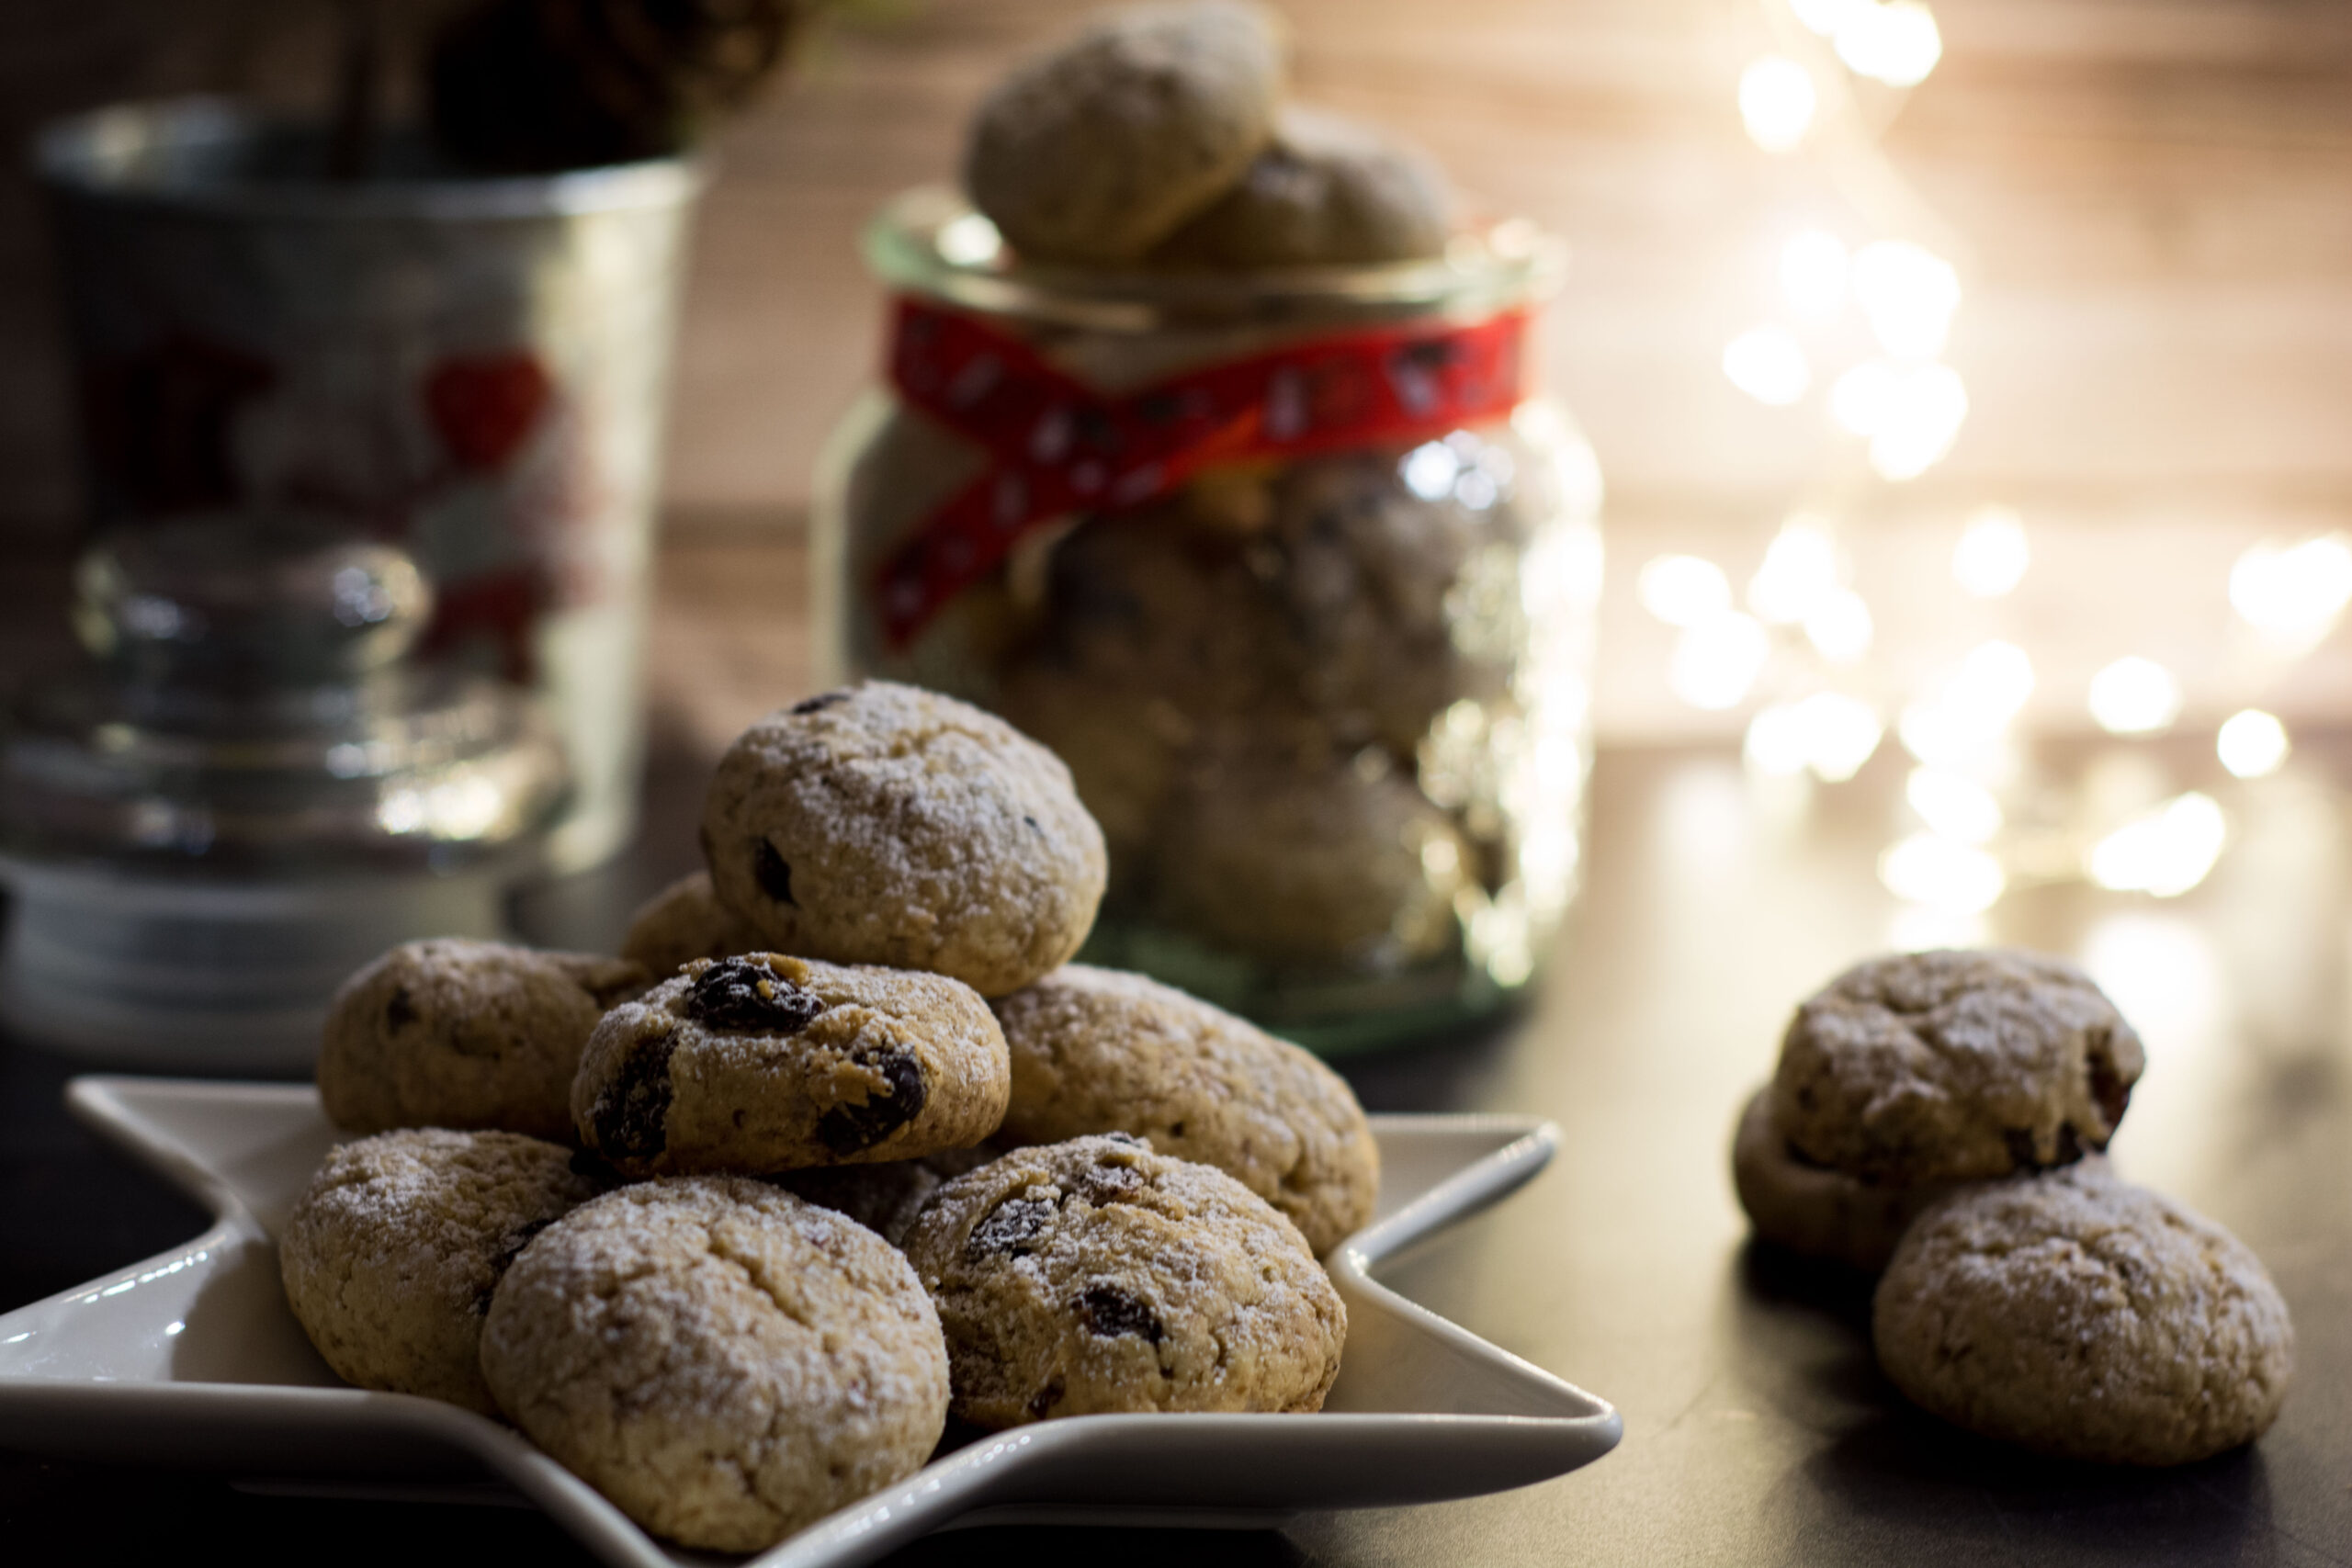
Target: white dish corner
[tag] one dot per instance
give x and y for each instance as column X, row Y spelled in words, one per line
column 191, row 1358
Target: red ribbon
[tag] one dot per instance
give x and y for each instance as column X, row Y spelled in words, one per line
column 1056, row 446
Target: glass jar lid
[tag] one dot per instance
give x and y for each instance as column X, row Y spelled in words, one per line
column 245, row 711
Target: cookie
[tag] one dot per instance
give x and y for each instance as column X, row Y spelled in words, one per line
column 1101, row 1051
column 1326, row 192
column 884, row 1199
column 2082, row 1317
column 1095, row 1276
column 881, row 824
column 1397, row 605
column 455, row 1033
column 1094, row 152
column 681, row 923
column 724, row 1362
column 1340, row 865
column 1811, row 1210
column 763, row 1063
column 1954, row 1066
column 389, row 1256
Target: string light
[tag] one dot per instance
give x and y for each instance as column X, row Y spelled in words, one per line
column 2135, row 696
column 1716, row 661
column 1919, row 422
column 1800, row 570
column 1768, row 364
column 1942, row 875
column 1992, row 555
column 1839, row 626
column 2252, row 744
column 1777, row 102
column 1898, row 43
column 2165, row 852
column 2296, row 595
column 1683, row 591
column 1908, row 295
column 1953, row 805
column 1813, row 266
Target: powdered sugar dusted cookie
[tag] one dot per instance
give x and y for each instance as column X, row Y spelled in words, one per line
column 455, row 1033
column 1814, row 1211
column 389, row 1257
column 2081, row 1316
column 1096, row 1276
column 881, row 824
column 1953, row 1066
column 763, row 1063
column 1326, row 192
column 726, row 1362
column 1094, row 151
column 683, row 922
column 1103, row 1051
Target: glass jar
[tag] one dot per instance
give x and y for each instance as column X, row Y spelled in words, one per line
column 1295, row 570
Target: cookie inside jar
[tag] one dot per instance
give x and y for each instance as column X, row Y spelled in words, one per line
column 1293, row 566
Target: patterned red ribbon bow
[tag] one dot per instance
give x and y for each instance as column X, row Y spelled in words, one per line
column 1059, row 447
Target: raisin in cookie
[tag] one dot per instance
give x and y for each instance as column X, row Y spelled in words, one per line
column 1096, row 1276
column 723, row 1360
column 389, row 1257
column 763, row 1063
column 881, row 824
column 455, row 1033
column 1814, row 1211
column 1954, row 1066
column 1094, row 152
column 2081, row 1316
column 1326, row 192
column 1101, row 1051
column 683, row 922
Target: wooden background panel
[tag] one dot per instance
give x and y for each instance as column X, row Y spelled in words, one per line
column 2145, row 194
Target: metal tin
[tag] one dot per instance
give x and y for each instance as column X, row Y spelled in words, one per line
column 474, row 369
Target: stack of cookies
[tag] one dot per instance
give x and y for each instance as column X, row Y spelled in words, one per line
column 1158, row 136
column 1940, row 1119
column 841, row 1146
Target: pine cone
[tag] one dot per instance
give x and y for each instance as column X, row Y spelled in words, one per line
column 530, row 86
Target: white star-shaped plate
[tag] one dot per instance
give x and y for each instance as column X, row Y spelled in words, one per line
column 192, row 1359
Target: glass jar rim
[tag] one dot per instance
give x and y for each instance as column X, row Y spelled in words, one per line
column 930, row 241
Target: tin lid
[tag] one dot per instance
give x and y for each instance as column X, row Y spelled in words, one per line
column 244, row 715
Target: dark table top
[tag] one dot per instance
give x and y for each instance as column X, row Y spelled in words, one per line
column 1757, row 1429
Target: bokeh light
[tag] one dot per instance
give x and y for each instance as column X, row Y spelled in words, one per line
column 1777, row 102
column 1992, row 556
column 1799, row 572
column 2135, row 696
column 2252, row 744
column 1716, row 661
column 1898, row 43
column 2165, row 852
column 1813, row 271
column 1908, row 293
column 1839, row 626
column 1830, row 733
column 1953, row 805
column 1683, row 591
column 1911, row 413
column 2294, row 595
column 1941, row 873
column 1768, row 364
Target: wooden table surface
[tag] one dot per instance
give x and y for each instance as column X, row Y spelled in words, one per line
column 1757, row 1428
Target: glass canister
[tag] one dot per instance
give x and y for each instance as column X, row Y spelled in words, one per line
column 1297, row 572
